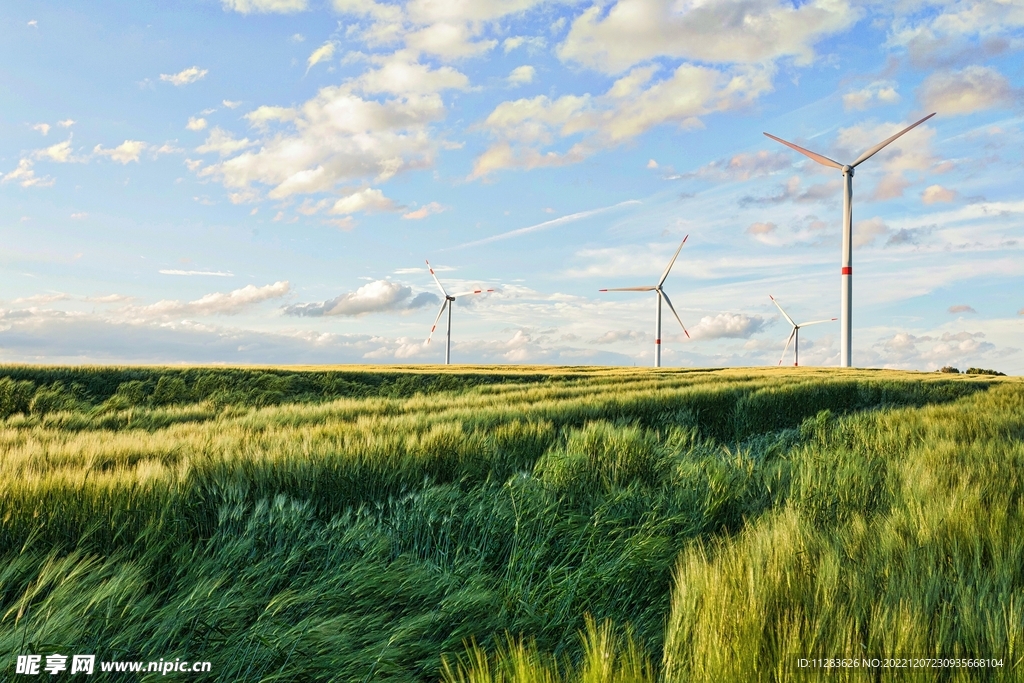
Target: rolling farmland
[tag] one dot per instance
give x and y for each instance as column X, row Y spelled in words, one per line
column 527, row 524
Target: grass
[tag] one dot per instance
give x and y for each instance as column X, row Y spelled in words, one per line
column 511, row 525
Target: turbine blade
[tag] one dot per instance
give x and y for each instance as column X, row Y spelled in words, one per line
column 436, row 280
column 672, row 262
column 434, row 326
column 878, row 148
column 823, row 160
column 473, row 291
column 791, row 335
column 783, row 312
column 818, row 321
column 628, row 289
column 673, row 308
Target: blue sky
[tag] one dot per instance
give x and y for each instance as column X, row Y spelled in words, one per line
column 260, row 181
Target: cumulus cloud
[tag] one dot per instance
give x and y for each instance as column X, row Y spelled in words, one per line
column 231, row 104
column 794, row 191
column 962, row 308
column 66, row 123
column 951, row 32
column 975, row 88
column 364, row 200
column 126, row 152
column 935, row 194
column 752, row 32
column 196, row 123
column 26, row 176
column 60, row 152
column 744, row 166
column 633, row 105
column 185, row 76
column 218, row 303
column 223, row 143
column 522, row 75
column 616, row 336
column 514, row 42
column 727, row 325
column 879, row 92
column 866, row 232
column 43, row 128
column 373, row 297
column 265, row 6
column 334, row 138
column 949, row 348
column 423, row 211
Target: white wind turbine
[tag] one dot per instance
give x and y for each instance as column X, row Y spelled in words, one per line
column 661, row 295
column 846, row 321
column 795, row 334
column 449, row 299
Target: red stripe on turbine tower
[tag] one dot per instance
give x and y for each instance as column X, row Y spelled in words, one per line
column 847, row 270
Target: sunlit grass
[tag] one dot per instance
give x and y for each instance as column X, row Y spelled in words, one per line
column 512, row 524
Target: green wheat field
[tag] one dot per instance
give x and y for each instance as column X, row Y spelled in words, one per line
column 531, row 525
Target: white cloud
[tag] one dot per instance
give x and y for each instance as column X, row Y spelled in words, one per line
column 401, row 74
column 368, row 199
column 879, row 92
column 373, row 297
column 514, row 42
column 731, row 31
column 195, row 123
column 185, row 76
column 221, row 142
column 936, row 194
column 126, row 152
column 336, row 137
column 230, row 104
column 60, row 152
column 866, row 232
column 43, row 128
column 973, row 89
column 79, row 215
column 33, row 23
column 423, row 211
column 633, row 105
column 66, row 123
column 744, row 166
column 522, row 75
column 324, row 53
column 265, row 6
column 727, row 325
column 25, row 176
column 218, row 303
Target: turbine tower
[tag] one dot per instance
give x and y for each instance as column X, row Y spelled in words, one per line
column 795, row 334
column 449, row 299
column 661, row 295
column 846, row 321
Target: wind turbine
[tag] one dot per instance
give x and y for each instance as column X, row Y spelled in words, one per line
column 661, row 295
column 795, row 334
column 846, row 322
column 448, row 300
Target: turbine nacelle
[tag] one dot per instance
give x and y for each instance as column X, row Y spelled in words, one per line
column 846, row 326
column 449, row 299
column 659, row 290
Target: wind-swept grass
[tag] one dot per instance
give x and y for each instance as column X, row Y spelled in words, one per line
column 690, row 525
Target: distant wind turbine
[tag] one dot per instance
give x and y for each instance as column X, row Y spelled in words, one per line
column 795, row 334
column 449, row 299
column 846, row 320
column 661, row 295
